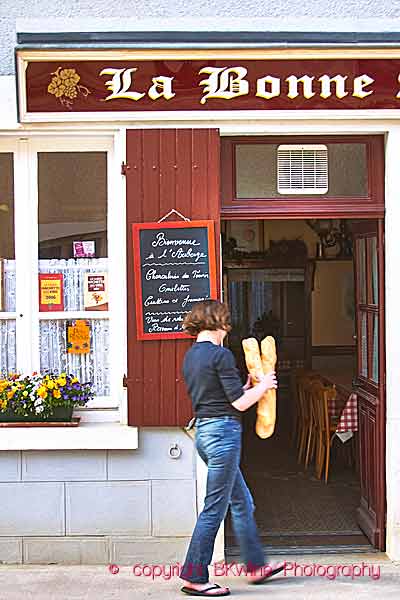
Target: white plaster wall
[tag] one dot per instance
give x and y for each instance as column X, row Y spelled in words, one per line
column 279, row 15
column 392, row 257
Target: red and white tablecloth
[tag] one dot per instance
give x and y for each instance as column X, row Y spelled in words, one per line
column 348, row 417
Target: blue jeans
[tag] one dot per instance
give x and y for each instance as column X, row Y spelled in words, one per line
column 218, row 442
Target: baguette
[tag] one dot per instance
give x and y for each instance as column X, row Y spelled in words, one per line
column 266, row 407
column 258, row 366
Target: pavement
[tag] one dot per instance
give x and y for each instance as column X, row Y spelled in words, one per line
column 335, row 577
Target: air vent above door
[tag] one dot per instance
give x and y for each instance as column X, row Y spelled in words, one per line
column 302, row 169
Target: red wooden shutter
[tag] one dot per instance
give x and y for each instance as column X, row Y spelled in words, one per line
column 167, row 168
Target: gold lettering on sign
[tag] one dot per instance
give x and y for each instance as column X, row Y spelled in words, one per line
column 307, row 82
column 359, row 84
column 274, row 87
column 225, row 83
column 161, row 88
column 120, row 83
column 398, row 81
column 340, row 86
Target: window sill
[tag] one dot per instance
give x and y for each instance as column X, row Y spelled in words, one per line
column 88, row 436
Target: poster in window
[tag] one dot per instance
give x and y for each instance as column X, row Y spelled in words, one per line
column 51, row 292
column 95, row 292
column 174, row 267
column 78, row 337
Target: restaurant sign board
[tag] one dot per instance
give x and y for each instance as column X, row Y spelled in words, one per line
column 75, row 87
column 175, row 267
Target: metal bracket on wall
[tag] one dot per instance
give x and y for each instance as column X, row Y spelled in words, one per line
column 172, row 212
column 124, row 168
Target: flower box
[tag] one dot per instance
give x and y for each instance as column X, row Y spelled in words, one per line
column 60, row 414
column 42, row 398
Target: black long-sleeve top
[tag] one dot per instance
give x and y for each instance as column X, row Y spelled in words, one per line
column 212, row 380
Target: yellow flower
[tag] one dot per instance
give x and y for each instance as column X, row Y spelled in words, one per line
column 74, row 380
column 50, row 384
column 25, row 393
column 57, row 394
column 61, row 381
column 3, row 385
column 42, row 392
column 10, row 394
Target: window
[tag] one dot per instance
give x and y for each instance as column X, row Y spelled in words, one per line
column 368, row 324
column 66, row 264
column 256, row 172
column 73, row 262
column 265, row 174
column 7, row 265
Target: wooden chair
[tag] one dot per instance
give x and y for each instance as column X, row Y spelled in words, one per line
column 296, row 407
column 305, row 424
column 325, row 427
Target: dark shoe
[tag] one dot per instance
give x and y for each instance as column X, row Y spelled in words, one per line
column 193, row 592
column 268, row 575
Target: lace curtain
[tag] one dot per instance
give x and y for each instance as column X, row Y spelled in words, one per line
column 94, row 366
column 73, row 271
column 8, row 359
column 9, row 285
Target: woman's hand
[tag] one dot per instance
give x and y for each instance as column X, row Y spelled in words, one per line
column 248, row 383
column 253, row 394
column 270, row 380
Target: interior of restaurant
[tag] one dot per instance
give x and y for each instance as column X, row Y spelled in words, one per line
column 294, row 280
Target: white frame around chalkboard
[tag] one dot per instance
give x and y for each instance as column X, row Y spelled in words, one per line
column 136, row 229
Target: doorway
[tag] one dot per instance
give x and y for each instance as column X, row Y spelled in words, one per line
column 310, row 284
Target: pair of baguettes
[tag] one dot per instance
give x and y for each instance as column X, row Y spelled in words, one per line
column 259, row 365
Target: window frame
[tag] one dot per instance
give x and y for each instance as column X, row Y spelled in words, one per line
column 296, row 206
column 26, row 232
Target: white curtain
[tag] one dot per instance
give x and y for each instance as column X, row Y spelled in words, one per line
column 73, row 271
column 8, row 359
column 94, row 366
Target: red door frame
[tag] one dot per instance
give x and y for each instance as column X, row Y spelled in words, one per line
column 372, row 413
column 307, row 207
column 369, row 207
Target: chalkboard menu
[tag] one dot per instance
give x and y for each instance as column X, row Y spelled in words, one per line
column 174, row 266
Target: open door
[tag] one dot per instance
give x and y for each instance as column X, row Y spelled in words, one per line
column 370, row 378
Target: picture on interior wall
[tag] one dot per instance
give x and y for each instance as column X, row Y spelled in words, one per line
column 84, row 249
column 248, row 235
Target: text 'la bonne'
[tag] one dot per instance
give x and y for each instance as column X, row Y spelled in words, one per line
column 228, row 83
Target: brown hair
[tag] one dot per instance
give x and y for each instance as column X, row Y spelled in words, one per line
column 208, row 314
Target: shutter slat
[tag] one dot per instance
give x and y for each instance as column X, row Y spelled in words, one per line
column 302, row 169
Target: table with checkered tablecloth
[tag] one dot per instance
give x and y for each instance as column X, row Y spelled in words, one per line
column 348, row 415
column 344, row 407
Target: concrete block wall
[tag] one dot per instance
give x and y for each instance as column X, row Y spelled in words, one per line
column 93, row 507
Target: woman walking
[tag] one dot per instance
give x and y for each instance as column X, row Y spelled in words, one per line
column 218, row 399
